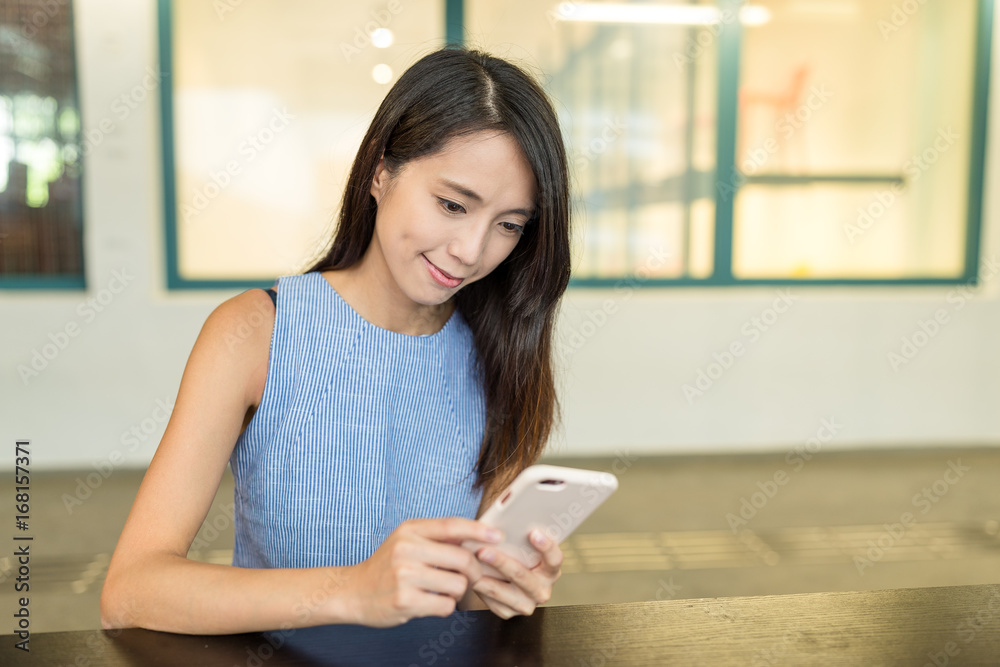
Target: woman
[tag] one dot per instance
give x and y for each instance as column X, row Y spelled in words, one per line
column 391, row 392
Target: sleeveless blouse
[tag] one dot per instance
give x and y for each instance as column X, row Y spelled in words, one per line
column 358, row 429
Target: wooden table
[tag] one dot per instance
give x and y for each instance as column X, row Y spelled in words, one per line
column 922, row 626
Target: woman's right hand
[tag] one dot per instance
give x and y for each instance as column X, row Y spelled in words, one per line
column 420, row 569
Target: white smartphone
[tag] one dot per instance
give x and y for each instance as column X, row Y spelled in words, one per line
column 554, row 499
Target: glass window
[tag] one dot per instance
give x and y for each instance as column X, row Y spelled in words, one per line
column 270, row 101
column 710, row 142
column 847, row 134
column 41, row 218
column 855, row 131
column 636, row 101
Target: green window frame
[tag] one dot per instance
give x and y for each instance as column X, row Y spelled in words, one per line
column 61, row 282
column 729, row 44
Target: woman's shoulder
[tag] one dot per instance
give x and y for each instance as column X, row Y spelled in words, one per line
column 238, row 334
column 252, row 306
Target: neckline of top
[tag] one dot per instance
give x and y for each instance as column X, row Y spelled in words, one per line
column 382, row 330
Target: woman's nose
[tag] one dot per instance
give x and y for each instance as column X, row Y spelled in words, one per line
column 469, row 243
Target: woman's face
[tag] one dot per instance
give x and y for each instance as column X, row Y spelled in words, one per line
column 448, row 219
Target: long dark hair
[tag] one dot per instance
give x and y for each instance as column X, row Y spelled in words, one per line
column 445, row 94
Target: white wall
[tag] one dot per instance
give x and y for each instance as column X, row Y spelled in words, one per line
column 824, row 358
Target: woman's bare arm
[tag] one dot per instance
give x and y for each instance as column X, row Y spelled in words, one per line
column 419, row 570
column 150, row 582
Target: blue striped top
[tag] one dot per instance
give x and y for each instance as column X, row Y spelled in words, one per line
column 359, row 429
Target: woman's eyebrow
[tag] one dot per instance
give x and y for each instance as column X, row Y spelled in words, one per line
column 464, row 191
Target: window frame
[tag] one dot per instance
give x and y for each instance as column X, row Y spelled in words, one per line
column 63, row 282
column 729, row 44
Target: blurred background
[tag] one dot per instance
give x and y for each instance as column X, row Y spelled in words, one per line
column 781, row 332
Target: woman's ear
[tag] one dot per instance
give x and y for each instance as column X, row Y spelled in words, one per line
column 380, row 181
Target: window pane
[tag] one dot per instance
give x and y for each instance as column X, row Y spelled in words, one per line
column 636, row 102
column 854, row 137
column 271, row 101
column 40, row 142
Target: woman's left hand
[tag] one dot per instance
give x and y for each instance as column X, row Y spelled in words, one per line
column 527, row 588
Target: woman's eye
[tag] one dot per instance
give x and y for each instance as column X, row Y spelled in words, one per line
column 451, row 206
column 511, row 227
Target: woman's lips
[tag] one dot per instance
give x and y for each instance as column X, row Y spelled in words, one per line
column 442, row 278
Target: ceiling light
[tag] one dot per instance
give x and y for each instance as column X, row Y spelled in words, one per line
column 382, row 38
column 382, row 73
column 663, row 14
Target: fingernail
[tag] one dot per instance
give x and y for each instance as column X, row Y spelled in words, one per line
column 494, row 535
column 540, row 539
column 487, row 556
